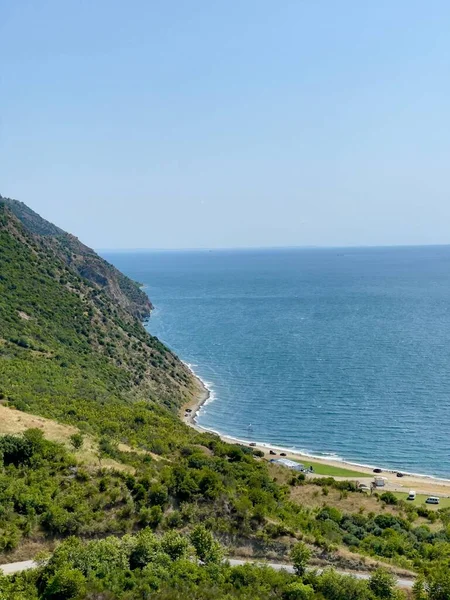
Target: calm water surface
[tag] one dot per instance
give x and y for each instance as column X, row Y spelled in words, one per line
column 342, row 352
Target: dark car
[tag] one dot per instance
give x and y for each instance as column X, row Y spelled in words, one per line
column 282, row 454
column 252, row 444
column 377, row 471
column 399, row 474
column 272, row 453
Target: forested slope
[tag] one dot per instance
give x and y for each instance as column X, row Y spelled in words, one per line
column 64, row 340
column 83, row 260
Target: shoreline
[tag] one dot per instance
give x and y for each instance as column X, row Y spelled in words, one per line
column 421, row 483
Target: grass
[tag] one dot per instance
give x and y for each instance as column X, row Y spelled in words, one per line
column 420, row 500
column 312, row 497
column 15, row 422
column 331, row 470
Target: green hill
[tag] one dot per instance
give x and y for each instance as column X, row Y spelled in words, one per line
column 64, row 338
column 82, row 260
column 73, row 349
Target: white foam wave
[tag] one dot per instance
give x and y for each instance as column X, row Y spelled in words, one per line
column 331, row 456
column 209, row 387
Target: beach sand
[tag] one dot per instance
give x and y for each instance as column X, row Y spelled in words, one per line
column 421, row 484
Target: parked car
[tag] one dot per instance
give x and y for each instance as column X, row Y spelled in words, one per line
column 399, row 474
column 282, row 454
column 432, row 500
column 252, row 444
column 272, row 453
column 377, row 471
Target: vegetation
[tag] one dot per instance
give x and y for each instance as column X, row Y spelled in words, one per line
column 172, row 567
column 82, row 260
column 300, row 556
column 71, row 352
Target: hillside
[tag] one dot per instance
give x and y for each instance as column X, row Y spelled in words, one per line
column 58, row 327
column 91, row 445
column 83, row 260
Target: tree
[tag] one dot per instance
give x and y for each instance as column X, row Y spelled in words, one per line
column 175, row 545
column 419, row 592
column 382, row 583
column 206, row 547
column 158, row 494
column 67, row 584
column 77, row 441
column 145, row 549
column 334, row 586
column 438, row 583
column 300, row 555
column 298, row 591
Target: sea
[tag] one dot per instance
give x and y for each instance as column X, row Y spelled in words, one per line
column 341, row 353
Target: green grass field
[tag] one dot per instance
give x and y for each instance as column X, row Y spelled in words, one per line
column 420, row 500
column 330, row 470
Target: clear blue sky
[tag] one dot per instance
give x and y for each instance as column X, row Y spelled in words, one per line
column 210, row 123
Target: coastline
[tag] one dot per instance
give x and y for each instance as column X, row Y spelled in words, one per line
column 426, row 484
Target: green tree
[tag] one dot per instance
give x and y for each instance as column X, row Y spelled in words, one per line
column 66, row 584
column 158, row 494
column 419, row 592
column 77, row 441
column 334, row 586
column 300, row 556
column 175, row 545
column 438, row 583
column 146, row 547
column 298, row 591
column 206, row 547
column 382, row 583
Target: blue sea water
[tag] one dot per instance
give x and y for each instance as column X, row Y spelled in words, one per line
column 337, row 352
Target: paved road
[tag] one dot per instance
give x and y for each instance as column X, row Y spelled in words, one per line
column 29, row 564
column 401, row 582
column 18, row 566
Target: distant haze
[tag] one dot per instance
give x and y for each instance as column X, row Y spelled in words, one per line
column 173, row 124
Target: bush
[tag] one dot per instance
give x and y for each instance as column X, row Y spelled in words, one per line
column 77, row 441
column 382, row 583
column 298, row 591
column 389, row 498
column 67, row 584
column 300, row 556
column 206, row 547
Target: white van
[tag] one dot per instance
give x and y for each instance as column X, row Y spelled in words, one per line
column 411, row 495
column 432, row 500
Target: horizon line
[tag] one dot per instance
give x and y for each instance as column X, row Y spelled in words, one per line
column 265, row 248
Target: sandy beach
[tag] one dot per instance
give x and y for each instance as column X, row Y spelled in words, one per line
column 421, row 484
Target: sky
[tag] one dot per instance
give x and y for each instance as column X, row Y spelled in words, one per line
column 218, row 123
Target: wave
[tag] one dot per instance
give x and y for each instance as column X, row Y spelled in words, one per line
column 208, row 386
column 331, row 456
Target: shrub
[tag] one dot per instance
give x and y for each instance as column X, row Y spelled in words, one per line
column 77, row 441
column 206, row 547
column 389, row 498
column 300, row 556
